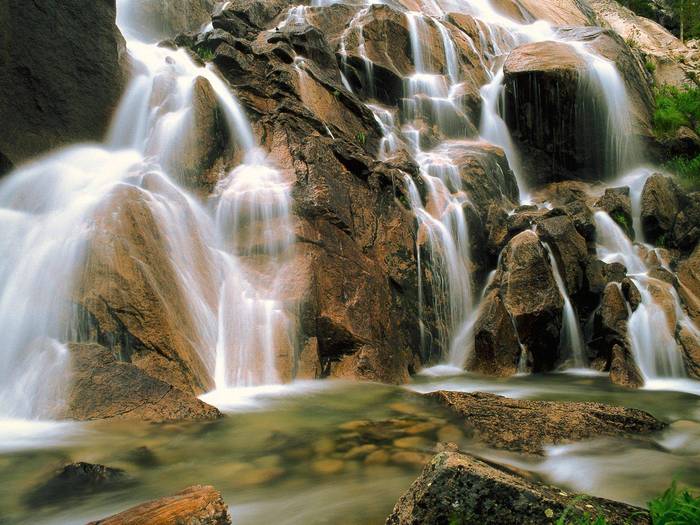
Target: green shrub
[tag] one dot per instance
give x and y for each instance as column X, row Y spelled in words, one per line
column 361, row 137
column 206, row 54
column 675, row 108
column 675, row 507
column 650, row 66
column 687, row 170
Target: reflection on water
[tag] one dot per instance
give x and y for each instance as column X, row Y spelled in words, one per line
column 333, row 452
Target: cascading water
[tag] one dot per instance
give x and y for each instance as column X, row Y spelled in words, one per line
column 48, row 210
column 429, row 108
column 652, row 338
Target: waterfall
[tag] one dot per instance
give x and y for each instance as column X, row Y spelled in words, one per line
column 236, row 245
column 651, row 336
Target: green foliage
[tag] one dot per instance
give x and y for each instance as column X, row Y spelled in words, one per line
column 675, row 108
column 675, row 507
column 650, row 66
column 687, row 170
column 206, row 54
column 361, row 137
column 621, row 219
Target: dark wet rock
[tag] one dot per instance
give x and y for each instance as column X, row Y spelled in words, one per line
column 196, row 505
column 659, row 207
column 104, row 388
column 616, row 202
column 632, row 294
column 62, row 74
column 529, row 426
column 199, row 162
column 496, row 347
column 77, row 480
column 459, row 488
column 686, row 229
column 530, row 294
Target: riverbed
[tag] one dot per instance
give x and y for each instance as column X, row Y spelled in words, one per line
column 336, row 452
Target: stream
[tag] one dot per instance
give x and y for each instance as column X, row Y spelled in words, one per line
column 336, row 452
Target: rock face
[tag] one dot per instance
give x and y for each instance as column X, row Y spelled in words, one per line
column 62, row 72
column 528, row 426
column 129, row 297
column 458, row 488
column 652, row 39
column 75, row 480
column 104, row 388
column 160, row 20
column 556, row 112
column 196, row 505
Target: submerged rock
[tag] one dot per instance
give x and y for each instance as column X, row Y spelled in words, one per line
column 75, row 480
column 196, row 505
column 104, row 388
column 528, row 426
column 456, row 488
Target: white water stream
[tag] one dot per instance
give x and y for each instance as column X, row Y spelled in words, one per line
column 49, row 209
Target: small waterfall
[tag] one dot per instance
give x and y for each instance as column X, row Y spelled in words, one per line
column 652, row 338
column 238, row 244
column 571, row 338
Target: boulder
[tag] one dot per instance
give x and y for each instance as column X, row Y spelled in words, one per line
column 104, row 388
column 76, row 480
column 617, row 203
column 568, row 247
column 660, row 204
column 459, row 488
column 196, row 505
column 63, row 69
column 531, row 296
column 610, row 325
column 497, row 350
column 528, row 427
column 623, row 369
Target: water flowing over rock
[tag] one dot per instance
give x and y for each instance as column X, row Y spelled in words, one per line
column 530, row 426
column 459, row 488
column 63, row 70
column 567, row 109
